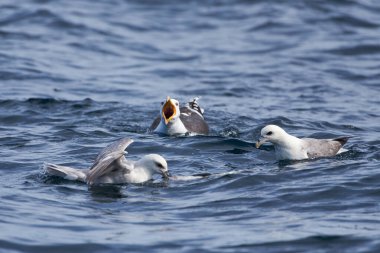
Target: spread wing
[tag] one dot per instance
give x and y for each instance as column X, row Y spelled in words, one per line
column 193, row 121
column 323, row 147
column 109, row 159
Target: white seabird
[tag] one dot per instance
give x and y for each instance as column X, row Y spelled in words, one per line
column 174, row 120
column 288, row 147
column 111, row 167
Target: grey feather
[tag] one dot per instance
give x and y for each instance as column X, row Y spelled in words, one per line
column 155, row 124
column 193, row 121
column 109, row 159
column 65, row 172
column 323, row 147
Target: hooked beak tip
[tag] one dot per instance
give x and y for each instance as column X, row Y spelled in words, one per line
column 259, row 143
column 165, row 174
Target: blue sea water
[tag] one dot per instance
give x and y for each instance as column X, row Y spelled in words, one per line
column 76, row 75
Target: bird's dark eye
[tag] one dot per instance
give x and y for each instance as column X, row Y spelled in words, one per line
column 159, row 165
column 176, row 104
column 162, row 103
column 270, row 133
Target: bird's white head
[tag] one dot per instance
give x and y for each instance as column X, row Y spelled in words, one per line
column 170, row 110
column 156, row 164
column 271, row 133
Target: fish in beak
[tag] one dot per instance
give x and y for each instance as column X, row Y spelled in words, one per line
column 168, row 110
column 260, row 142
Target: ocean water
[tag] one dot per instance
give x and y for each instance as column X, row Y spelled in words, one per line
column 77, row 75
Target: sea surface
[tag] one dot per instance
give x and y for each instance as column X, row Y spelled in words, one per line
column 75, row 75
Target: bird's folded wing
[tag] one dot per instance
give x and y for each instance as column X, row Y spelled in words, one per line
column 193, row 121
column 155, row 123
column 119, row 145
column 107, row 158
column 321, row 147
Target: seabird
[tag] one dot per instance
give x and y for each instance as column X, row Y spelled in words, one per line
column 174, row 120
column 111, row 167
column 288, row 147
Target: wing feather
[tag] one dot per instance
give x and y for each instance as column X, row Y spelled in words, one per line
column 155, row 123
column 110, row 158
column 321, row 147
column 193, row 121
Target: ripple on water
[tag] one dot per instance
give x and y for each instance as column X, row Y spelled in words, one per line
column 78, row 76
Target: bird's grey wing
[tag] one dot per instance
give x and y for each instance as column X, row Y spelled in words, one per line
column 109, row 159
column 119, row 145
column 193, row 121
column 155, row 123
column 323, row 147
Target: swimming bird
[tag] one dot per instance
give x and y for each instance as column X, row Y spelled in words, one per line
column 288, row 147
column 111, row 167
column 176, row 120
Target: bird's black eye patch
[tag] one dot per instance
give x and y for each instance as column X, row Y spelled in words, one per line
column 270, row 133
column 159, row 165
column 162, row 103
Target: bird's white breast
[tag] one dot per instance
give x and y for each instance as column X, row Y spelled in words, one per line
column 290, row 148
column 176, row 127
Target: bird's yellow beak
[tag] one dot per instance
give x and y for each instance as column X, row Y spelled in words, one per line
column 168, row 110
column 260, row 142
column 166, row 174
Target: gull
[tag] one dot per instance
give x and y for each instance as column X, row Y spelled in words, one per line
column 111, row 167
column 176, row 120
column 288, row 147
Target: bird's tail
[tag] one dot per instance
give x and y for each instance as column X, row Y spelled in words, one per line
column 342, row 140
column 65, row 172
column 193, row 104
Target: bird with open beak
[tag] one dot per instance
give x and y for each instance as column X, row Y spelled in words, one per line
column 176, row 120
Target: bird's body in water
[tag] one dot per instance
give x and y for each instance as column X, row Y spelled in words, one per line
column 111, row 167
column 176, row 120
column 289, row 147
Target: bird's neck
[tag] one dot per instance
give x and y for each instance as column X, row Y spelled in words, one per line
column 140, row 173
column 173, row 127
column 288, row 140
column 289, row 148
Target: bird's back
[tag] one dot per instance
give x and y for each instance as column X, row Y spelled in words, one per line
column 193, row 121
column 323, row 147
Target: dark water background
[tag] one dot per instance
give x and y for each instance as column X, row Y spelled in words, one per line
column 76, row 75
